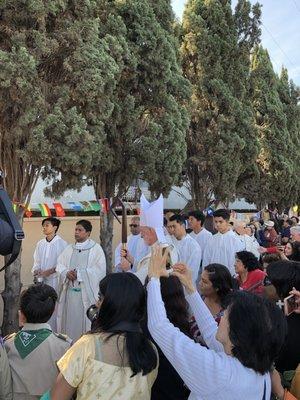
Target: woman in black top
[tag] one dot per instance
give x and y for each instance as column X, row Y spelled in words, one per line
column 284, row 275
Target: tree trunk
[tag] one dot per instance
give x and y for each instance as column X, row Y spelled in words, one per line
column 106, row 237
column 10, row 296
column 104, row 186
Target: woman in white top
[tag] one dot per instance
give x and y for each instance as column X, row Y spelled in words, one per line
column 241, row 350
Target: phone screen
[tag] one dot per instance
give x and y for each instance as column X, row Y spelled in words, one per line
column 290, row 304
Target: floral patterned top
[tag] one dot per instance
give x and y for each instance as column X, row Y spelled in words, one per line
column 93, row 365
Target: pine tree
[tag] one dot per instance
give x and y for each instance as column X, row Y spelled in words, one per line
column 275, row 180
column 221, row 140
column 56, row 76
column 289, row 96
column 145, row 136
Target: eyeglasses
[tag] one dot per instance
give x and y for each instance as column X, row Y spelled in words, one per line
column 133, row 225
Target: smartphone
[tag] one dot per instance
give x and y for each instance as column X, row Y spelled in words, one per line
column 290, row 304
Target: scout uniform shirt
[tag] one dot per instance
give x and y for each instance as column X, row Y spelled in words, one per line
column 5, row 377
column 32, row 354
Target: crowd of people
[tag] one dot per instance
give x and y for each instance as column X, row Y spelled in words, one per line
column 191, row 311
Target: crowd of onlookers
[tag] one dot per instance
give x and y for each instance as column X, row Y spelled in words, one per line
column 225, row 334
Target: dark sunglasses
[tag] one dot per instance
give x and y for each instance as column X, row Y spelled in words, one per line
column 133, row 225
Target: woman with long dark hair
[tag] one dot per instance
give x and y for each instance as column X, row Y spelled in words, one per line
column 216, row 284
column 168, row 384
column 114, row 360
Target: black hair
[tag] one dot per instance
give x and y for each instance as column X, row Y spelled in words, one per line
column 295, row 256
column 37, row 303
column 296, row 218
column 86, row 224
column 223, row 213
column 178, row 218
column 165, row 222
column 176, row 306
column 290, row 222
column 198, row 215
column 257, row 330
column 125, row 301
column 284, row 275
column 53, row 221
column 221, row 280
column 248, row 259
column 270, row 257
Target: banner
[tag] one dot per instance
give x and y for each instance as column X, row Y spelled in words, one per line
column 60, row 212
column 45, row 210
column 104, row 205
column 95, row 205
column 86, row 206
column 75, row 206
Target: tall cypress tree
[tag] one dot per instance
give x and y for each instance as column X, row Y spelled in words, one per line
column 221, row 139
column 145, row 135
column 275, row 180
column 289, row 96
column 56, row 77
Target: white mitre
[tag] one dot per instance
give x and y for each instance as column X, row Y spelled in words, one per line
column 152, row 215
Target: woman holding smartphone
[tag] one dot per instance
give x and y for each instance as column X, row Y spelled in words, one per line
column 241, row 350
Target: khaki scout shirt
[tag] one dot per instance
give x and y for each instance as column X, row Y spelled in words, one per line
column 35, row 374
column 5, row 376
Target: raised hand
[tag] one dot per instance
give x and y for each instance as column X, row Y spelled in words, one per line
column 183, row 272
column 158, row 261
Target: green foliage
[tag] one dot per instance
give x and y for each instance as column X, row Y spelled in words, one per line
column 277, row 119
column 56, row 78
column 221, row 141
column 145, row 135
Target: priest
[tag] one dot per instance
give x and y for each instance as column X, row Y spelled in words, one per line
column 136, row 247
column 152, row 232
column 80, row 268
column 223, row 246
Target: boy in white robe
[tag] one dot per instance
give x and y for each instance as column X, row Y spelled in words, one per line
column 45, row 257
column 47, row 251
column 222, row 246
column 135, row 246
column 80, row 267
column 199, row 233
column 189, row 251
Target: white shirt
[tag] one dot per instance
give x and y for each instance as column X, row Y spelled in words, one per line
column 210, row 374
column 202, row 238
column 136, row 247
column 221, row 249
column 189, row 252
column 45, row 257
column 250, row 244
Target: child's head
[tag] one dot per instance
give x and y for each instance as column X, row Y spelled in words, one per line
column 50, row 225
column 221, row 220
column 37, row 304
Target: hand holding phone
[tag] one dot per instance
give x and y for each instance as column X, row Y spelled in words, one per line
column 290, row 304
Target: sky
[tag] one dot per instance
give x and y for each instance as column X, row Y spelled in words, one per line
column 280, row 32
